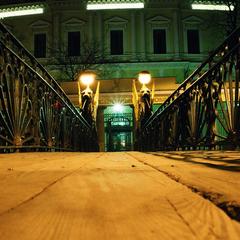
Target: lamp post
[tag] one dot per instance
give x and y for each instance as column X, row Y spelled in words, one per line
column 144, row 77
column 142, row 106
column 87, row 78
column 85, row 97
column 87, row 102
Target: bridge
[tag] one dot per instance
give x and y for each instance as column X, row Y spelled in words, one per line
column 181, row 182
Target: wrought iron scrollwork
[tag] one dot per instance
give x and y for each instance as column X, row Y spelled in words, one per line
column 204, row 112
column 15, row 104
column 35, row 113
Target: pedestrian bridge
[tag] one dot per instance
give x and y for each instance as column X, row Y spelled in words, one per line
column 120, row 195
column 144, row 194
column 36, row 114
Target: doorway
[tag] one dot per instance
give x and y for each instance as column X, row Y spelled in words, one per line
column 118, row 125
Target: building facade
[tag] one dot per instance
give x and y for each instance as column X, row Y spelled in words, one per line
column 166, row 37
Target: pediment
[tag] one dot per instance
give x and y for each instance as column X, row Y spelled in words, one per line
column 74, row 22
column 116, row 20
column 40, row 24
column 192, row 20
column 158, row 20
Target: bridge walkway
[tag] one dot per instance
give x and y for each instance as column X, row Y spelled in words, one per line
column 124, row 195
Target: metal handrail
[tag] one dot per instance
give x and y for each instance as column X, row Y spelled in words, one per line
column 32, row 61
column 182, row 87
column 204, row 111
column 35, row 113
column 194, row 84
column 64, row 99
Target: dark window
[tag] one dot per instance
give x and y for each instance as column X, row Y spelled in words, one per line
column 74, row 44
column 116, row 42
column 193, row 41
column 159, row 41
column 40, row 45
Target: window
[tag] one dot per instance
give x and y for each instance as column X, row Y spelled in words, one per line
column 116, row 42
column 73, row 43
column 40, row 45
column 193, row 41
column 159, row 41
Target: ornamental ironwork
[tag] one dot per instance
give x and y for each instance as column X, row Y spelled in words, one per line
column 204, row 112
column 35, row 113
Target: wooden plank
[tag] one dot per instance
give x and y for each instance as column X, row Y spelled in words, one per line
column 214, row 174
column 101, row 196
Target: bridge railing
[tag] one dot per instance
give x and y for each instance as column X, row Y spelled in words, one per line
column 35, row 113
column 204, row 111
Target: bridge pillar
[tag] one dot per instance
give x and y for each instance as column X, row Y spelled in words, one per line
column 100, row 128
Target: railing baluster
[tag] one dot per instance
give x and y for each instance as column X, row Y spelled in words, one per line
column 204, row 111
column 35, row 113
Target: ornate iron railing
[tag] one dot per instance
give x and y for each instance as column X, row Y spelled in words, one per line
column 204, row 112
column 35, row 113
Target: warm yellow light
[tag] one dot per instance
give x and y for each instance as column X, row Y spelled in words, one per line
column 144, row 77
column 87, row 78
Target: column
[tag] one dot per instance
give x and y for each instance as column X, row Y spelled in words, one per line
column 176, row 34
column 133, row 35
column 90, row 27
column 142, row 34
column 100, row 30
column 56, row 31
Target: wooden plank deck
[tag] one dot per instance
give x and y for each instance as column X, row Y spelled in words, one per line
column 213, row 174
column 103, row 196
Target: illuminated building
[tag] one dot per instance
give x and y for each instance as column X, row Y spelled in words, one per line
column 167, row 38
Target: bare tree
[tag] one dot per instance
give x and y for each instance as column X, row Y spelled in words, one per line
column 230, row 19
column 233, row 15
column 90, row 58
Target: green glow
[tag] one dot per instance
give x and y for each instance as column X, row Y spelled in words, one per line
column 125, row 109
column 20, row 11
column 118, row 107
column 114, row 5
column 217, row 7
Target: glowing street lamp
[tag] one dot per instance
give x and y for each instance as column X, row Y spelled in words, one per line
column 145, row 101
column 87, row 102
column 142, row 104
column 144, row 78
column 86, row 78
